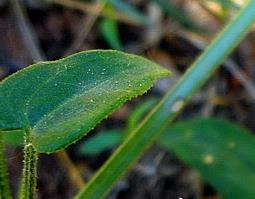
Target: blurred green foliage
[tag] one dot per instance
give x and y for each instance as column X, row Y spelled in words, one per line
column 221, row 151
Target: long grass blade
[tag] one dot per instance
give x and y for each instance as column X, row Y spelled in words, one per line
column 171, row 105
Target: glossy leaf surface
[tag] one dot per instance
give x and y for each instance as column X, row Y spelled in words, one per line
column 221, row 151
column 60, row 101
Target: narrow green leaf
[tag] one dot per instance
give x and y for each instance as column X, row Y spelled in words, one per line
column 60, row 101
column 109, row 30
column 170, row 106
column 220, row 150
column 100, row 142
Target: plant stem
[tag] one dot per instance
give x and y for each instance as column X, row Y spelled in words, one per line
column 4, row 182
column 170, row 106
column 32, row 44
column 28, row 184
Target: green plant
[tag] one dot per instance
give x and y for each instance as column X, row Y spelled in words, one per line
column 108, row 139
column 56, row 103
column 221, row 151
column 215, row 147
column 170, row 106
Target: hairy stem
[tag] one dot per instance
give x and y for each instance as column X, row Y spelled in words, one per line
column 4, row 182
column 29, row 173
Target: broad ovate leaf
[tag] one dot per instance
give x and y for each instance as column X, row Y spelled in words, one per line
column 58, row 102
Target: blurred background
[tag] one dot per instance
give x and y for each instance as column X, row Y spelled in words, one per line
column 171, row 33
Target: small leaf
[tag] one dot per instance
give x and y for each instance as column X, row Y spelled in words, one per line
column 221, row 151
column 100, row 142
column 58, row 102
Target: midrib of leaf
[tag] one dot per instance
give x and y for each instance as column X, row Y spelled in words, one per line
column 61, row 105
column 74, row 96
column 107, row 111
column 25, row 107
column 55, row 104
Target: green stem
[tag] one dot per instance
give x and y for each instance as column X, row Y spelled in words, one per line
column 170, row 106
column 29, row 173
column 4, row 182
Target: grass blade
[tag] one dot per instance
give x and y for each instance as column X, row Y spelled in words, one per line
column 138, row 141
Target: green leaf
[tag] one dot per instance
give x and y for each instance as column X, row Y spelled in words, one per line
column 109, row 138
column 109, row 30
column 221, row 151
column 58, row 102
column 13, row 137
column 170, row 106
column 100, row 142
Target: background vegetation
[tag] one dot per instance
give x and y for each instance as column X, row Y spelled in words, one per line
column 206, row 157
